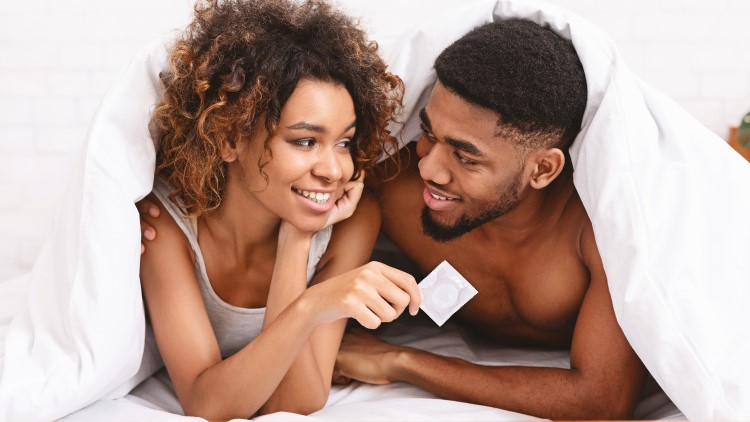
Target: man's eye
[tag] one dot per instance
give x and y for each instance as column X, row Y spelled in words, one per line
column 305, row 143
column 427, row 133
column 463, row 160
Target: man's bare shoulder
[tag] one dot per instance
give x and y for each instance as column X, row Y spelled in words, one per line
column 400, row 196
column 575, row 224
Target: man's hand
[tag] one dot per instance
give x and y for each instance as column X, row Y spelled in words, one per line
column 146, row 207
column 364, row 357
column 345, row 206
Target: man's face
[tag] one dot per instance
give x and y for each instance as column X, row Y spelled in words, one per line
column 471, row 175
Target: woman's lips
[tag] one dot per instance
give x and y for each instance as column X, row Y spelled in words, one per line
column 318, row 201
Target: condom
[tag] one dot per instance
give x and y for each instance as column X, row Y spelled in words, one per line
column 444, row 291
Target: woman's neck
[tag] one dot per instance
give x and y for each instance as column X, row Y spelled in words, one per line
column 242, row 225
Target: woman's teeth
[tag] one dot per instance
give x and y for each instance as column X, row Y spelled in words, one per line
column 317, row 197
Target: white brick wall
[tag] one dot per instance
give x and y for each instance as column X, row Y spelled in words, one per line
column 57, row 59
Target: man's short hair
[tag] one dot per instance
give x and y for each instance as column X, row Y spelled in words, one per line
column 528, row 74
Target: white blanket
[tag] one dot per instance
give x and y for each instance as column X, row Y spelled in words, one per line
column 667, row 198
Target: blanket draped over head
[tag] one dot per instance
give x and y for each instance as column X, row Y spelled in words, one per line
column 669, row 202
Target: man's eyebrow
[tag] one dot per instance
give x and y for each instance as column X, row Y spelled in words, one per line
column 464, row 146
column 423, row 117
column 458, row 144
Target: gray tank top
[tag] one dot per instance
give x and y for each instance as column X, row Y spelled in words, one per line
column 234, row 326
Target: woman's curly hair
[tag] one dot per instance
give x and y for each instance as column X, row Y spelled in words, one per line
column 238, row 62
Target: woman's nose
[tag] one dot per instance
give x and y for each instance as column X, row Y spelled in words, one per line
column 328, row 166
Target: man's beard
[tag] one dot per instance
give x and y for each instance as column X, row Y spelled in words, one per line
column 443, row 232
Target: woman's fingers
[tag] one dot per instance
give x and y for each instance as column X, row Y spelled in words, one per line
column 348, row 201
column 392, row 295
column 387, row 291
column 406, row 283
column 371, row 294
column 366, row 317
column 354, row 188
column 345, row 205
column 382, row 309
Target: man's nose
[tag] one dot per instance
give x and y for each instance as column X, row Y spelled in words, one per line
column 431, row 164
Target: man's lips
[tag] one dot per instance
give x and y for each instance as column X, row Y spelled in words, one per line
column 438, row 201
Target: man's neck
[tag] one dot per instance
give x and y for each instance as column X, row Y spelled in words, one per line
column 538, row 211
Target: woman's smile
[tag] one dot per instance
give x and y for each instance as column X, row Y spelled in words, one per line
column 316, row 200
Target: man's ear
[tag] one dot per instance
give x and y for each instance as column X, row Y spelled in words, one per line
column 228, row 152
column 548, row 164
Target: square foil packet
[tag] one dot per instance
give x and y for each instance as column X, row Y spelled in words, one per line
column 444, row 291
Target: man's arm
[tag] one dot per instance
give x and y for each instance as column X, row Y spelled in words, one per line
column 604, row 380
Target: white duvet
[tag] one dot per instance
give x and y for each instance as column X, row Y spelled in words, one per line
column 668, row 200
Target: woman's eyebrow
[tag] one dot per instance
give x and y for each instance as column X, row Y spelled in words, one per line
column 307, row 126
column 316, row 128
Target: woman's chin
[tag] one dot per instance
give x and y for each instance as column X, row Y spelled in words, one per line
column 309, row 224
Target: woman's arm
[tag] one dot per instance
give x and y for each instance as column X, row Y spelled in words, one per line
column 306, row 386
column 239, row 385
column 207, row 386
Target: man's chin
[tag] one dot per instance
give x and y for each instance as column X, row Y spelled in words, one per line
column 441, row 232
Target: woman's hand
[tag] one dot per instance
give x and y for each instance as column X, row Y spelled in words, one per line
column 345, row 206
column 372, row 294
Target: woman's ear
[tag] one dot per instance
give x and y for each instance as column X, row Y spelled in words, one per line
column 228, row 152
column 548, row 164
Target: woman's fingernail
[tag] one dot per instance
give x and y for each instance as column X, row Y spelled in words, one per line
column 149, row 234
column 153, row 212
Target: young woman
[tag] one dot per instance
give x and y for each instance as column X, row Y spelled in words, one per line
column 273, row 110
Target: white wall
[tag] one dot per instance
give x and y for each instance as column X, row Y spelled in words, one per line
column 57, row 59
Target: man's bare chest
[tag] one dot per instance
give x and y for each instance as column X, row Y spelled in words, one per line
column 521, row 300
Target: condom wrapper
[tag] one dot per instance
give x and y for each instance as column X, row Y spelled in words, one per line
column 444, row 291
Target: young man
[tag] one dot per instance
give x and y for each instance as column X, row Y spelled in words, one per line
column 492, row 192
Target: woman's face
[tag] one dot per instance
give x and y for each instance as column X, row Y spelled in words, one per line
column 311, row 160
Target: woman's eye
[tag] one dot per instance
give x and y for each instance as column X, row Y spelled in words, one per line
column 305, row 143
column 463, row 160
column 344, row 143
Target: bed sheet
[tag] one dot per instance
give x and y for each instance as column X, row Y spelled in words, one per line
column 154, row 399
